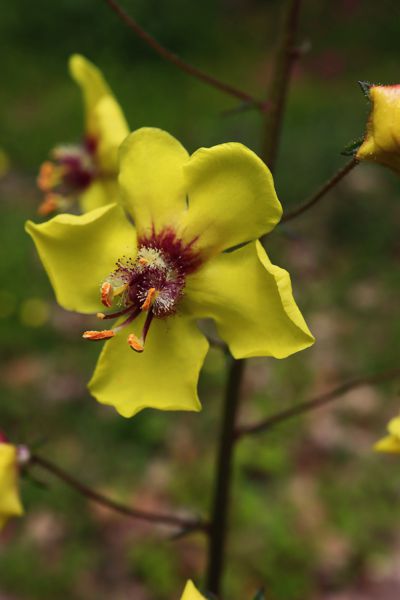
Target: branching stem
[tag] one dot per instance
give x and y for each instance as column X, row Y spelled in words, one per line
column 314, row 403
column 187, row 525
column 181, row 64
column 326, row 187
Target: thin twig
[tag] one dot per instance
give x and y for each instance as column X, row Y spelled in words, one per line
column 181, row 64
column 287, row 53
column 152, row 517
column 349, row 166
column 317, row 402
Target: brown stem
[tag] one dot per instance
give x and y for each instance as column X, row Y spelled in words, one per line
column 314, row 403
column 152, row 517
column 181, row 64
column 221, row 500
column 331, row 183
column 286, row 55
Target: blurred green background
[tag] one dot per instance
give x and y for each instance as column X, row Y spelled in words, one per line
column 315, row 513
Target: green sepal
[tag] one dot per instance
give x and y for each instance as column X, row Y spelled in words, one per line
column 365, row 87
column 352, row 148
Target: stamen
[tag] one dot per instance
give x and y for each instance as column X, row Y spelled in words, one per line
column 149, row 299
column 135, row 343
column 143, row 261
column 48, row 176
column 49, row 204
column 107, row 294
column 103, row 316
column 98, row 335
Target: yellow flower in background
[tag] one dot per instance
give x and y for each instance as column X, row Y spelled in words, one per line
column 390, row 443
column 174, row 268
column 381, row 143
column 87, row 171
column 191, row 593
column 10, row 504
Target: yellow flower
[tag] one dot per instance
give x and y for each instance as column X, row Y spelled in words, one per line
column 86, row 171
column 390, row 443
column 173, row 269
column 190, row 592
column 382, row 139
column 10, row 504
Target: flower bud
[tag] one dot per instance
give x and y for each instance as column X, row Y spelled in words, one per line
column 381, row 142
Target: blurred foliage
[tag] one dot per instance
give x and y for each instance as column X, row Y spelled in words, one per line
column 314, row 511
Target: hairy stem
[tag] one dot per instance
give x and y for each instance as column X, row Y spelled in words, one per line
column 220, row 509
column 181, row 64
column 278, row 89
column 326, row 187
column 185, row 524
column 314, row 403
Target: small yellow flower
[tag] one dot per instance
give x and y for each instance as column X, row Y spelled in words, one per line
column 381, row 143
column 191, row 593
column 10, row 504
column 87, row 171
column 390, row 443
column 174, row 268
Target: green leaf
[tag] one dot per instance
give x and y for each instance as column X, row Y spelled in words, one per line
column 260, row 595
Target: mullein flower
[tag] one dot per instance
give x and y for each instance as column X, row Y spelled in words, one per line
column 381, row 143
column 10, row 503
column 390, row 443
column 191, row 593
column 192, row 254
column 87, row 171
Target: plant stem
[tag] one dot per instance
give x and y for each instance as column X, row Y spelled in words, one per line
column 314, row 403
column 331, row 183
column 152, row 517
column 221, row 501
column 278, row 89
column 181, row 64
column 220, row 509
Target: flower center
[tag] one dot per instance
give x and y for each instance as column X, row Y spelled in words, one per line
column 71, row 171
column 152, row 283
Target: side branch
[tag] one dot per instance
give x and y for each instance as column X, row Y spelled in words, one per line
column 185, row 524
column 321, row 192
column 317, row 402
column 181, row 64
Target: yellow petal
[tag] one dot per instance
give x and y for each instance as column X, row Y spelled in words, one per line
column 151, row 179
column 112, row 129
column 389, row 444
column 163, row 376
column 10, row 503
column 394, row 427
column 79, row 252
column 382, row 140
column 104, row 118
column 251, row 301
column 190, row 592
column 99, row 193
column 232, row 197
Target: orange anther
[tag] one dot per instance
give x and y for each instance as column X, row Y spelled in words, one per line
column 107, row 294
column 149, row 299
column 143, row 261
column 45, row 178
column 98, row 335
column 135, row 343
column 49, row 204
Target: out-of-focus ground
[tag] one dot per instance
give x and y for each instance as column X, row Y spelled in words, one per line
column 316, row 514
